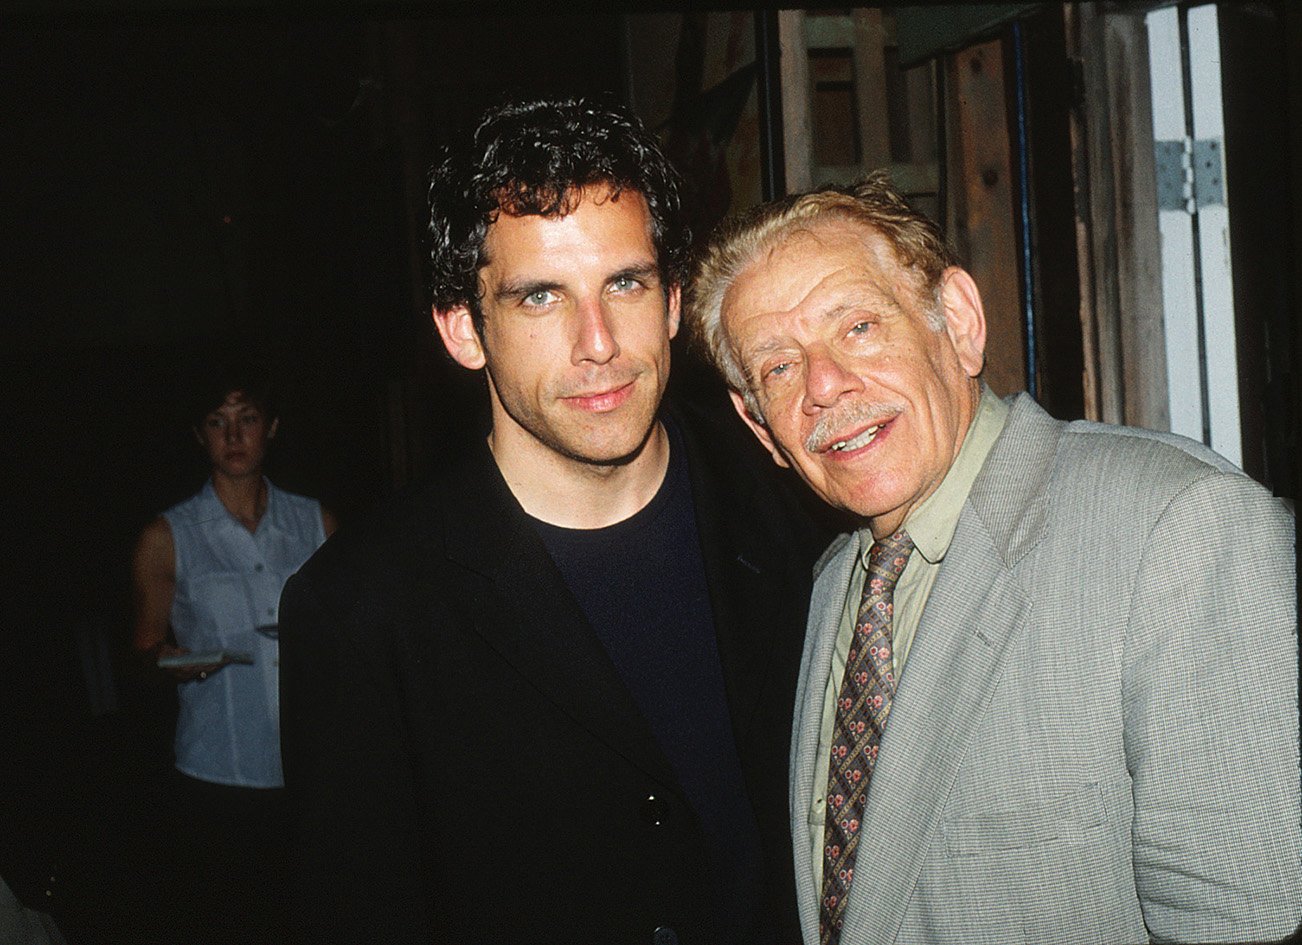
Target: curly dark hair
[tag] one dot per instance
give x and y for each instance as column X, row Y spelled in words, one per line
column 529, row 157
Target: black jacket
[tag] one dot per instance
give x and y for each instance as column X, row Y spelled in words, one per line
column 464, row 762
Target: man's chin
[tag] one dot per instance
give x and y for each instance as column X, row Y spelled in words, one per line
column 613, row 454
column 613, row 457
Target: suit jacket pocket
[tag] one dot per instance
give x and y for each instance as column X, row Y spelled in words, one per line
column 1069, row 818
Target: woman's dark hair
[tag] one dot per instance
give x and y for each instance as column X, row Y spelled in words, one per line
column 530, row 158
column 214, row 381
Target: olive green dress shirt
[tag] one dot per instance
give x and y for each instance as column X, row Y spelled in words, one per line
column 931, row 526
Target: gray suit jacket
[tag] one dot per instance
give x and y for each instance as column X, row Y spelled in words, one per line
column 1095, row 739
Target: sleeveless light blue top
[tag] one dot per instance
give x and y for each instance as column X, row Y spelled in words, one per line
column 228, row 583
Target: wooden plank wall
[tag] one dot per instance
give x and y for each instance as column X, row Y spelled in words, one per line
column 1118, row 244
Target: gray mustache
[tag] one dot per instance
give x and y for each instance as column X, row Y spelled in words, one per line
column 857, row 413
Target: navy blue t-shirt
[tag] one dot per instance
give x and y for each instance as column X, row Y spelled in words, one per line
column 641, row 583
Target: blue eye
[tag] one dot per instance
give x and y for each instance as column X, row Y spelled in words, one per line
column 624, row 284
column 860, row 328
column 540, row 297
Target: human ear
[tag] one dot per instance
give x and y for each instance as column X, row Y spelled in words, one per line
column 675, row 302
column 757, row 427
column 965, row 319
column 461, row 338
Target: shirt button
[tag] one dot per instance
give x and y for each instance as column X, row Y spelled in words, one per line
column 271, row 611
column 664, row 936
column 258, row 566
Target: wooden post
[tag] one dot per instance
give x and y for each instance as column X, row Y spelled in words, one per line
column 797, row 128
column 981, row 188
column 870, row 88
column 1116, row 219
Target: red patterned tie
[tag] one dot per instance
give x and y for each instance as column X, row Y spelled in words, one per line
column 862, row 704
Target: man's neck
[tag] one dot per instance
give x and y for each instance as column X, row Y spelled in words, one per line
column 570, row 493
column 892, row 522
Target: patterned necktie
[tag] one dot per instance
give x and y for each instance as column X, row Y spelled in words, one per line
column 862, row 704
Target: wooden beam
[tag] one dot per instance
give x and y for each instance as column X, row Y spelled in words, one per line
column 797, row 133
column 920, row 94
column 1134, row 208
column 1116, row 212
column 870, row 88
column 981, row 190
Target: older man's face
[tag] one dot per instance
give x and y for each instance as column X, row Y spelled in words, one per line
column 857, row 391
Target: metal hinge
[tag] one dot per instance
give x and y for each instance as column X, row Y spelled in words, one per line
column 1190, row 174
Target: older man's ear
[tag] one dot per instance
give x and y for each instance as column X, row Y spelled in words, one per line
column 965, row 319
column 757, row 427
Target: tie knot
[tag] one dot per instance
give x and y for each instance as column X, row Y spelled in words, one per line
column 888, row 556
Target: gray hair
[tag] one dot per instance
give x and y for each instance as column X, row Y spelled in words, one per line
column 873, row 202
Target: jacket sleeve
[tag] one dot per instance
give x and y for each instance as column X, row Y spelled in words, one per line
column 355, row 857
column 1211, row 717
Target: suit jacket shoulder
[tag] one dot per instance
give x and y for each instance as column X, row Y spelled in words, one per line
column 1109, row 476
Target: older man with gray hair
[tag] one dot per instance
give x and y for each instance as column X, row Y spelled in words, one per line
column 1049, row 688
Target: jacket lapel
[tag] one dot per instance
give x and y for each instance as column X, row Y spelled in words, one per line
column 524, row 611
column 826, row 607
column 973, row 618
column 970, row 624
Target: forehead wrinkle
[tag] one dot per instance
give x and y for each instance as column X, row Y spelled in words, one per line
column 878, row 253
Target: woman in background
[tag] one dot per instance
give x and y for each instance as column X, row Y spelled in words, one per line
column 207, row 577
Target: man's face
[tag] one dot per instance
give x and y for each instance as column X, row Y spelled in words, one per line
column 857, row 391
column 235, row 436
column 576, row 330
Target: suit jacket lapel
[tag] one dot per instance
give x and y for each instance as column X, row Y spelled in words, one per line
column 827, row 605
column 530, row 617
column 970, row 624
column 973, row 618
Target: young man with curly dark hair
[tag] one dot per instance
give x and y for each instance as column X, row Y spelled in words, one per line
column 547, row 697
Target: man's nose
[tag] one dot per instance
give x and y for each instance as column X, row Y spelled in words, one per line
column 594, row 338
column 827, row 380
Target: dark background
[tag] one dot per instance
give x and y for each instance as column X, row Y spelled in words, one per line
column 178, row 184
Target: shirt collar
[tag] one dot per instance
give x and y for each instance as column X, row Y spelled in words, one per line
column 216, row 511
column 932, row 524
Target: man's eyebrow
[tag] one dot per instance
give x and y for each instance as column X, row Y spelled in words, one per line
column 522, row 288
column 519, row 289
column 753, row 354
column 778, row 342
column 644, row 272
